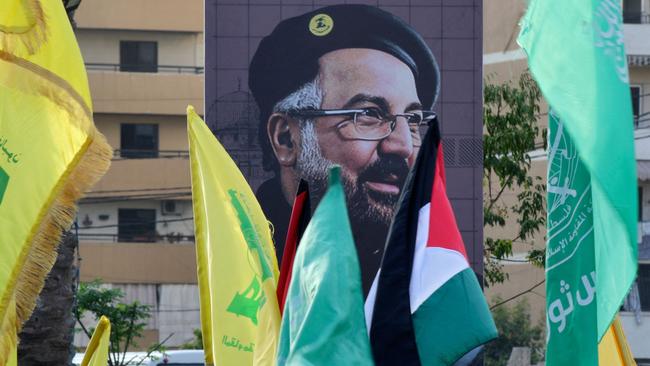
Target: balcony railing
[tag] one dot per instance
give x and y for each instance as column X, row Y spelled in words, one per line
column 120, row 154
column 114, row 238
column 636, row 17
column 169, row 69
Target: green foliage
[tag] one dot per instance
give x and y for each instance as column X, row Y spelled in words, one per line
column 196, row 343
column 510, row 119
column 515, row 330
column 127, row 320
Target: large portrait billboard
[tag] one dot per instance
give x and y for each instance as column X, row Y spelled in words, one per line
column 292, row 87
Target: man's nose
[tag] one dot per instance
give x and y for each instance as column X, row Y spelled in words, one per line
column 399, row 142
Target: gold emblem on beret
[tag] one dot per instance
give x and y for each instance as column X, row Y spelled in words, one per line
column 321, row 25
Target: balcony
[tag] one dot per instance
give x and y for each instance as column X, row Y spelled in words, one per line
column 636, row 17
column 149, row 154
column 162, row 69
column 176, row 238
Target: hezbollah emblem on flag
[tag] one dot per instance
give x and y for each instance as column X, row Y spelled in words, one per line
column 237, row 270
column 249, row 302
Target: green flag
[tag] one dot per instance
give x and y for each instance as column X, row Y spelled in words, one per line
column 570, row 255
column 323, row 321
column 576, row 53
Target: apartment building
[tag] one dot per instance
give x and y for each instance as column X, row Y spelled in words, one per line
column 636, row 314
column 145, row 65
column 503, row 61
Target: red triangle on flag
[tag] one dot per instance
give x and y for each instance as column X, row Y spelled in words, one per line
column 443, row 230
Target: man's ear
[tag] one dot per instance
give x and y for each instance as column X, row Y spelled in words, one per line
column 284, row 134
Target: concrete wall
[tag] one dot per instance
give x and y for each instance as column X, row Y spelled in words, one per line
column 138, row 262
column 636, row 39
column 164, row 15
column 500, row 25
column 145, row 174
column 145, row 93
column 637, row 334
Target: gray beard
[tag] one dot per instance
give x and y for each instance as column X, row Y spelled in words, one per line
column 313, row 167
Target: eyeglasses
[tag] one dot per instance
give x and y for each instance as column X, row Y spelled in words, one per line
column 370, row 123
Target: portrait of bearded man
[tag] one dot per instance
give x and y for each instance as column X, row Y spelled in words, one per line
column 347, row 85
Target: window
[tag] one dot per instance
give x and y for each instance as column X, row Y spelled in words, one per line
column 138, row 56
column 635, row 91
column 632, row 11
column 136, row 225
column 640, row 203
column 139, row 141
column 643, row 281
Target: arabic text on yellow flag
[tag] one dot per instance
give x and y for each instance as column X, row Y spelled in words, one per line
column 237, row 268
column 50, row 151
column 613, row 349
column 97, row 350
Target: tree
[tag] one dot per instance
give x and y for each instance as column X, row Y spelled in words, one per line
column 510, row 119
column 127, row 320
column 196, row 343
column 515, row 330
column 46, row 338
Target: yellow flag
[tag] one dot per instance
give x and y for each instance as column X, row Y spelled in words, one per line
column 613, row 349
column 97, row 350
column 50, row 151
column 237, row 268
column 8, row 327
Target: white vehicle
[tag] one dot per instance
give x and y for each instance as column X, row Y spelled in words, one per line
column 193, row 357
column 190, row 357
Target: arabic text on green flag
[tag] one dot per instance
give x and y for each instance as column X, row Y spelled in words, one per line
column 576, row 53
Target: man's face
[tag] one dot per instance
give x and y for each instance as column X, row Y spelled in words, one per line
column 373, row 171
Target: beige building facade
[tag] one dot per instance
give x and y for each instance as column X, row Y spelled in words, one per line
column 145, row 65
column 504, row 61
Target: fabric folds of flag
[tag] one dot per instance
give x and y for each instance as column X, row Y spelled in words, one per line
column 97, row 350
column 300, row 215
column 576, row 53
column 426, row 305
column 323, row 321
column 50, row 151
column 613, row 349
column 237, row 268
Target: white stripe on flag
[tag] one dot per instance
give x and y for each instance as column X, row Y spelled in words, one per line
column 432, row 266
column 369, row 307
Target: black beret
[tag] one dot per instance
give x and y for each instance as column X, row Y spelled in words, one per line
column 288, row 57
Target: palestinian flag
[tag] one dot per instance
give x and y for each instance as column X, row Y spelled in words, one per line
column 300, row 216
column 426, row 306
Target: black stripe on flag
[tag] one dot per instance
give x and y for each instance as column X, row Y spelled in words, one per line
column 392, row 335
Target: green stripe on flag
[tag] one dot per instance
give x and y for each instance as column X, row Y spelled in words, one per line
column 453, row 317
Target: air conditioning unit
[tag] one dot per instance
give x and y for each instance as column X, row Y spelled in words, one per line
column 170, row 208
